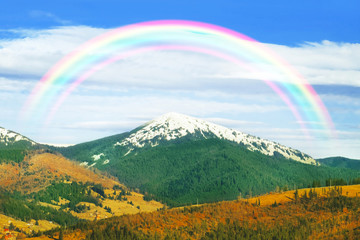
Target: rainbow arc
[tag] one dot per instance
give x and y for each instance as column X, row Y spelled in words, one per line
column 118, row 44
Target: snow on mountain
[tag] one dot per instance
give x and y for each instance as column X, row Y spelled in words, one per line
column 57, row 144
column 98, row 156
column 9, row 137
column 173, row 126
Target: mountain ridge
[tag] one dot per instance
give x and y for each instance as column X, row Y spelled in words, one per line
column 172, row 126
column 8, row 137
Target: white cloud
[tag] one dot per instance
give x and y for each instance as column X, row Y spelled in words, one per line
column 324, row 63
column 231, row 123
column 106, row 125
column 152, row 106
column 35, row 52
column 342, row 100
column 14, row 85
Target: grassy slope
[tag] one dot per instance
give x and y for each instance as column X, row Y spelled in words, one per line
column 287, row 196
column 39, row 169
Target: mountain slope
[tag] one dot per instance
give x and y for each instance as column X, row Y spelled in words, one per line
column 42, row 189
column 13, row 146
column 40, row 169
column 9, row 138
column 213, row 170
column 52, row 189
column 181, row 160
column 340, row 162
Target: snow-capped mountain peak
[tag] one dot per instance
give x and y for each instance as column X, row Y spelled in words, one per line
column 173, row 126
column 9, row 137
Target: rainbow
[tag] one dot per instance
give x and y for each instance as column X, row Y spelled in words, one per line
column 118, row 44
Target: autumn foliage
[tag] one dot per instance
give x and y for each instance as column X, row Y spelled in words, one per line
column 310, row 215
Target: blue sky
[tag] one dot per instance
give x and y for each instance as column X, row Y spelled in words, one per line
column 319, row 38
column 278, row 21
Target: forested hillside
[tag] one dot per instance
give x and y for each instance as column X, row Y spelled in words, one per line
column 312, row 214
column 341, row 162
column 211, row 170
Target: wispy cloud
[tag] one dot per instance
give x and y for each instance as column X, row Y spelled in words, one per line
column 106, row 125
column 49, row 16
column 324, row 63
column 14, row 86
column 233, row 122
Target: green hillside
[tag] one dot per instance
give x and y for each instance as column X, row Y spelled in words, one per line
column 341, row 162
column 208, row 170
column 83, row 151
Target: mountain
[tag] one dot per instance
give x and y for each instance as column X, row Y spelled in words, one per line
column 174, row 126
column 13, row 146
column 340, row 162
column 180, row 160
column 12, row 139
